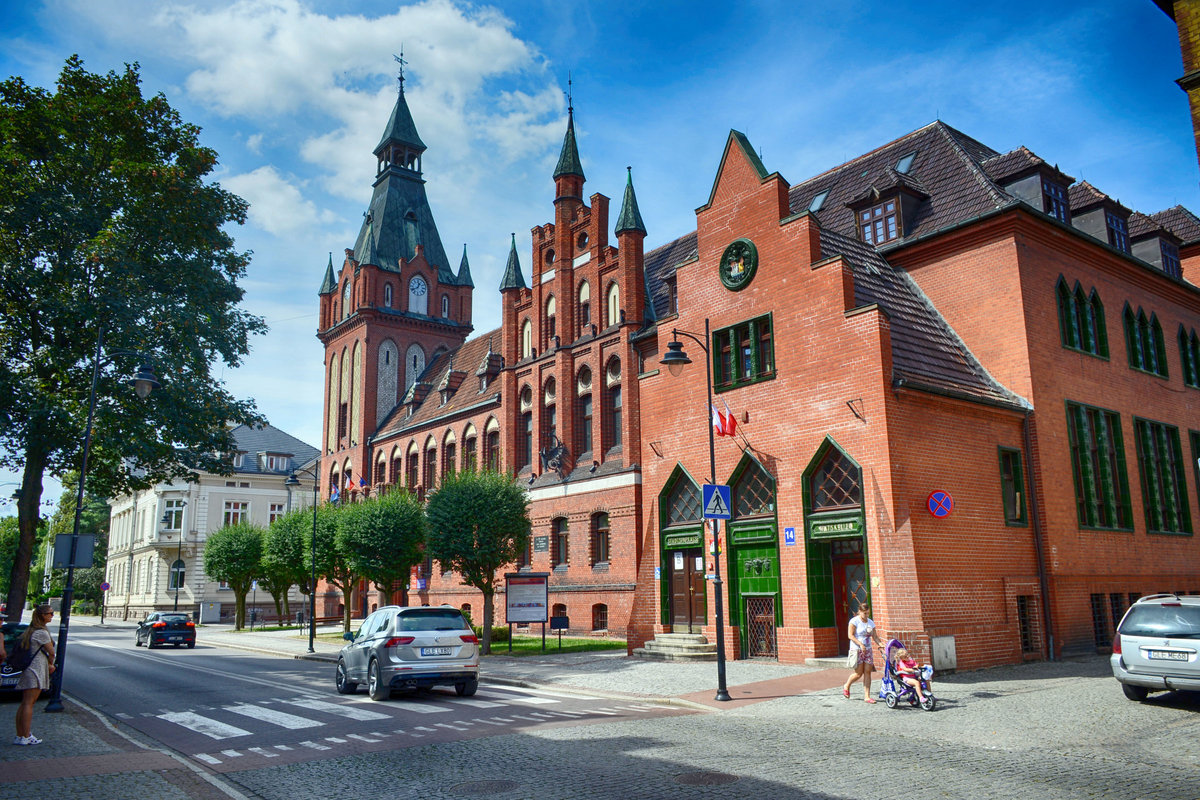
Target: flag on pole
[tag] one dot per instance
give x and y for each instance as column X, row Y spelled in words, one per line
column 730, row 422
column 361, row 483
column 718, row 422
column 335, row 495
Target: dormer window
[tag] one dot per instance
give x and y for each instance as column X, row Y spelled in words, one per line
column 879, row 223
column 1054, row 201
column 1170, row 259
column 1118, row 234
column 905, row 163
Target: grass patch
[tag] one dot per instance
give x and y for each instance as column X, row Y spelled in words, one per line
column 532, row 645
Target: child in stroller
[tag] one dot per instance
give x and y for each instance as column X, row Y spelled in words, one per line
column 903, row 680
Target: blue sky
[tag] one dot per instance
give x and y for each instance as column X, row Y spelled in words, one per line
column 294, row 95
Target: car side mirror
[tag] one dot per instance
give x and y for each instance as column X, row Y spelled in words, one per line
column 348, row 636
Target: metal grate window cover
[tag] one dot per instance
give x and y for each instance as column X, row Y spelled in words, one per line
column 683, row 504
column 760, row 621
column 754, row 493
column 837, row 482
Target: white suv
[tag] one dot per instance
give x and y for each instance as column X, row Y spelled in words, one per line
column 1156, row 646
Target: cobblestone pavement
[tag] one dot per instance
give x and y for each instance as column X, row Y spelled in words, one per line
column 1041, row 730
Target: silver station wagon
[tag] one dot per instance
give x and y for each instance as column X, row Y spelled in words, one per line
column 1157, row 646
column 404, row 649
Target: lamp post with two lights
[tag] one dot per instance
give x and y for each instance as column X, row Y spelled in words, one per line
column 143, row 383
column 675, row 360
column 291, row 483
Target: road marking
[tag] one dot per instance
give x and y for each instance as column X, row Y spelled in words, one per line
column 204, row 725
column 123, row 715
column 335, row 740
column 639, row 709
column 534, row 701
column 527, row 719
column 470, row 701
column 572, row 714
column 262, row 752
column 231, row 753
column 314, row 745
column 606, row 712
column 283, row 747
column 360, row 714
column 489, row 722
column 360, row 737
column 205, row 757
column 289, row 721
column 424, row 708
column 503, row 719
column 540, row 714
column 450, row 726
column 542, row 692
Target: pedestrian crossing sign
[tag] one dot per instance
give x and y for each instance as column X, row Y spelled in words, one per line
column 716, row 502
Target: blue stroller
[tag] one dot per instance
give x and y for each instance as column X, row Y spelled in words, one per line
column 893, row 690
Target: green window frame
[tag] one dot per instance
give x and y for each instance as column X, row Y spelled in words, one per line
column 1081, row 319
column 1189, row 354
column 1098, row 468
column 1144, row 342
column 1160, row 463
column 1012, row 486
column 1195, row 438
column 743, row 354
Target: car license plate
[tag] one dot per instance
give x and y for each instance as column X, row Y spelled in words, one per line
column 175, row 638
column 435, row 651
column 10, row 680
column 1166, row 655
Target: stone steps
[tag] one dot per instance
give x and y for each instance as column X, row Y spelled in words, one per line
column 677, row 647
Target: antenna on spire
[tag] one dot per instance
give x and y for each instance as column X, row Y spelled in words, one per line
column 399, row 59
column 570, row 98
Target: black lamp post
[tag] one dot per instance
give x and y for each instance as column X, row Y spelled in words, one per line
column 675, row 360
column 177, row 569
column 143, row 383
column 291, row 483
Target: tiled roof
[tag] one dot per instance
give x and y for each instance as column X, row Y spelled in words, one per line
column 269, row 439
column 1141, row 225
column 1083, row 195
column 660, row 264
column 465, row 358
column 1181, row 222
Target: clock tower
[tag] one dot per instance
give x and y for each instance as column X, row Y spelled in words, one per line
column 392, row 307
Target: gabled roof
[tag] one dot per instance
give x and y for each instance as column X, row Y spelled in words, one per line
column 659, row 265
column 1181, row 222
column 1084, row 196
column 269, row 439
column 1141, row 226
column 1016, row 163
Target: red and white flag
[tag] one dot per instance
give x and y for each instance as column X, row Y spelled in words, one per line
column 730, row 422
column 718, row 422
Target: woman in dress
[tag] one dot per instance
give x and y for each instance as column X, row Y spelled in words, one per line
column 36, row 677
column 861, row 631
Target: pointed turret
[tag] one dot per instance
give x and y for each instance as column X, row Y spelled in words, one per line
column 401, row 129
column 329, row 285
column 513, row 279
column 630, row 218
column 568, row 159
column 464, row 271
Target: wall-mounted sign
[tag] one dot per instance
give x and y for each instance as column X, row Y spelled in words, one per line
column 672, row 541
column 738, row 263
column 836, row 526
column 789, row 536
column 541, row 544
column 678, row 560
column 939, row 503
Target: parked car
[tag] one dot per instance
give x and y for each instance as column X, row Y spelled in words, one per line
column 165, row 627
column 12, row 631
column 1157, row 646
column 409, row 648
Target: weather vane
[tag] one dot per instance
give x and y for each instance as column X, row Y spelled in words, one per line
column 400, row 60
column 570, row 101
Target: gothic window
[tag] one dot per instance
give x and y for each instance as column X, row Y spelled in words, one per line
column 559, row 554
column 551, row 322
column 585, row 308
column 613, row 404
column 430, row 466
column 614, row 305
column 449, row 457
column 600, row 538
column 1144, row 342
column 470, row 456
column 683, row 503
column 1081, row 319
column 445, row 306
column 583, row 412
column 526, row 339
column 754, row 491
column 836, row 483
column 387, row 295
column 413, row 479
column 396, row 467
column 346, row 300
column 491, row 445
column 1189, row 354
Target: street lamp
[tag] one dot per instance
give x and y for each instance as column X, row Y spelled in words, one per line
column 177, row 569
column 291, row 483
column 143, row 383
column 675, row 360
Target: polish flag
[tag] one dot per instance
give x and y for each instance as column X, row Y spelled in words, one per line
column 730, row 422
column 718, row 422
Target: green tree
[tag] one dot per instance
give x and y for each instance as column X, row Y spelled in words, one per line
column 10, row 534
column 234, row 555
column 332, row 564
column 93, row 520
column 112, row 239
column 479, row 522
column 284, row 553
column 383, row 538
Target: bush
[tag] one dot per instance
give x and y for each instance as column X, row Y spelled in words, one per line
column 83, row 607
column 499, row 633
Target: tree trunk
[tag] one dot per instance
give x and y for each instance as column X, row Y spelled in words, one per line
column 486, row 647
column 27, row 523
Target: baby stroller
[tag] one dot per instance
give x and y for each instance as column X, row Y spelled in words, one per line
column 893, row 690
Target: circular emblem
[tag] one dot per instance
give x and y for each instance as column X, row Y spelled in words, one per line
column 738, row 263
column 417, row 286
column 940, row 503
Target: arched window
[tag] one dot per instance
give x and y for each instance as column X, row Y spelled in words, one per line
column 559, row 543
column 397, row 467
column 583, row 413
column 551, row 322
column 559, row 610
column 491, row 445
column 414, row 365
column 599, row 538
column 585, row 308
column 612, row 404
column 600, row 617
column 346, row 300
column 177, row 574
column 449, row 454
column 445, row 306
column 413, row 478
column 470, row 453
column 525, row 430
column 1081, row 319
column 526, row 339
column 387, row 295
column 418, row 295
column 430, row 465
column 614, row 305
column 380, row 476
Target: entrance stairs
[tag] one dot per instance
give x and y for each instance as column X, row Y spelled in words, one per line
column 677, row 647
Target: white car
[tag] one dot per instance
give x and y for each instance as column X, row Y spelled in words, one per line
column 1157, row 646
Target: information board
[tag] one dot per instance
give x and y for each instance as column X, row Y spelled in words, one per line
column 527, row 596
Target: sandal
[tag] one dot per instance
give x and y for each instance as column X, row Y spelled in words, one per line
column 846, row 693
column 871, row 700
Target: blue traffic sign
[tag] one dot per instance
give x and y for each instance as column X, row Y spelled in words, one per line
column 716, row 502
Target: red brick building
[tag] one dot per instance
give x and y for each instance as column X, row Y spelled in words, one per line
column 966, row 389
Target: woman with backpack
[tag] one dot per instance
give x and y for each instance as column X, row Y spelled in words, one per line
column 36, row 676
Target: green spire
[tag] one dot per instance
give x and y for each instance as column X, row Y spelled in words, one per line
column 329, row 285
column 464, row 271
column 512, row 272
column 568, row 159
column 400, row 128
column 631, row 218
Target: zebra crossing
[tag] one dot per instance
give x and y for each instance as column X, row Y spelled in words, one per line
column 486, row 713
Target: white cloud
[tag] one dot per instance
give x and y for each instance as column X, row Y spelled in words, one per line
column 276, row 205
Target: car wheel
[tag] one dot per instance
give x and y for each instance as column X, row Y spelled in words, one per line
column 191, row 645
column 467, row 689
column 150, row 645
column 375, row 686
column 1135, row 692
column 137, row 640
column 344, row 684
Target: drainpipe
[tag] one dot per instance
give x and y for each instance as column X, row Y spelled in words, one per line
column 1038, row 541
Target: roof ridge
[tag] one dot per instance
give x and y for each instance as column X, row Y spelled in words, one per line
column 999, row 196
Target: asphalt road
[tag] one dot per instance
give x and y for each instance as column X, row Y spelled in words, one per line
column 233, row 711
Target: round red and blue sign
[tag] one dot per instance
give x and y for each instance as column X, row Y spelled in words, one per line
column 939, row 503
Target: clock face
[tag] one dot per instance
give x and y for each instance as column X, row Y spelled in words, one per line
column 417, row 286
column 738, row 263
